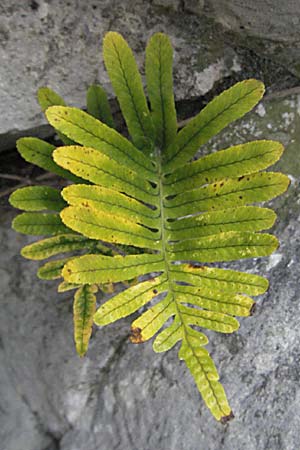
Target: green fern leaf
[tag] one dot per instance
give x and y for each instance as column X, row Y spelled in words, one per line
column 37, row 198
column 206, row 377
column 98, row 106
column 129, row 301
column 175, row 210
column 93, row 133
column 91, row 269
column 159, row 57
column 62, row 243
column 98, row 198
column 64, row 286
column 244, row 218
column 95, row 166
column 232, row 104
column 47, row 97
column 38, row 152
column 126, row 81
column 84, row 309
column 39, row 224
column 52, row 270
column 237, row 161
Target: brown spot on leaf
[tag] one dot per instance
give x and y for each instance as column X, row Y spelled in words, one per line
column 252, row 309
column 222, row 184
column 226, row 419
column 154, row 291
column 240, row 178
column 240, row 197
column 193, row 266
column 136, row 336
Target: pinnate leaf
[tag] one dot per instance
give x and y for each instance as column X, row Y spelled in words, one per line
column 147, row 200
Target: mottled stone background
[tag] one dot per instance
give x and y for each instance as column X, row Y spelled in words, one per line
column 121, row 396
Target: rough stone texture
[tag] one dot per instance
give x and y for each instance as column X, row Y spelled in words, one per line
column 58, row 43
column 125, row 397
column 271, row 27
column 270, row 19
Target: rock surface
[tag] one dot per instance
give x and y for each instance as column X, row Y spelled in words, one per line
column 58, row 44
column 125, row 397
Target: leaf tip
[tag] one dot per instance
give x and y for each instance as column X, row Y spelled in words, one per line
column 227, row 418
column 252, row 310
column 81, row 352
column 66, row 272
column 54, row 113
column 136, row 336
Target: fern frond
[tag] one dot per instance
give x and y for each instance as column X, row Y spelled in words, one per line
column 174, row 209
column 172, row 216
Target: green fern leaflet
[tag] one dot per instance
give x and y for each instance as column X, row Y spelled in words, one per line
column 180, row 215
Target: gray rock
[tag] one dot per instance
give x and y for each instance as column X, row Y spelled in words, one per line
column 125, row 397
column 58, row 44
column 271, row 28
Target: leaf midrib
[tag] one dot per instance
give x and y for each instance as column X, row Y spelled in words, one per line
column 160, row 176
